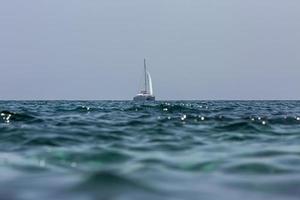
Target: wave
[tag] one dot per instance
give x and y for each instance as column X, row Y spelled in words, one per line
column 8, row 116
column 257, row 169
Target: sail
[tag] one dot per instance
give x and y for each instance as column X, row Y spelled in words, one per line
column 149, row 84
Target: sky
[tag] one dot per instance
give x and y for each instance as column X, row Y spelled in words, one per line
column 195, row 49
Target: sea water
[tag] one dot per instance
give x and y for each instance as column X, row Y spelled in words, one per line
column 161, row 150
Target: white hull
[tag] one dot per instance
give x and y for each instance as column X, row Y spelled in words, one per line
column 144, row 98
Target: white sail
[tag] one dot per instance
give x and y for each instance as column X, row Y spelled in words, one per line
column 150, row 84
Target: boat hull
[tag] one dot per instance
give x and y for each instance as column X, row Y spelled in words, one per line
column 144, row 98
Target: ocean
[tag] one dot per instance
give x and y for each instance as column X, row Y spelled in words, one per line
column 124, row 150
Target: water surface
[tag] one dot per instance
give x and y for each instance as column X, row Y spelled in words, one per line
column 164, row 150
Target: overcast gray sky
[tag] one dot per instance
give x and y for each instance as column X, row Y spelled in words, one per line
column 196, row 49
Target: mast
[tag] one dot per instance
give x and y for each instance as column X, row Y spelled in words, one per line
column 145, row 71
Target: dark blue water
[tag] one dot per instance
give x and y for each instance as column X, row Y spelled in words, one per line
column 164, row 150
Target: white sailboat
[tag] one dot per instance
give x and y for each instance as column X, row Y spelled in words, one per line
column 146, row 94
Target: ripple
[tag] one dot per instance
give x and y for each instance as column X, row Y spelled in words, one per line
column 256, row 168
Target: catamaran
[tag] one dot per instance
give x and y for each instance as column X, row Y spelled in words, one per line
column 146, row 94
